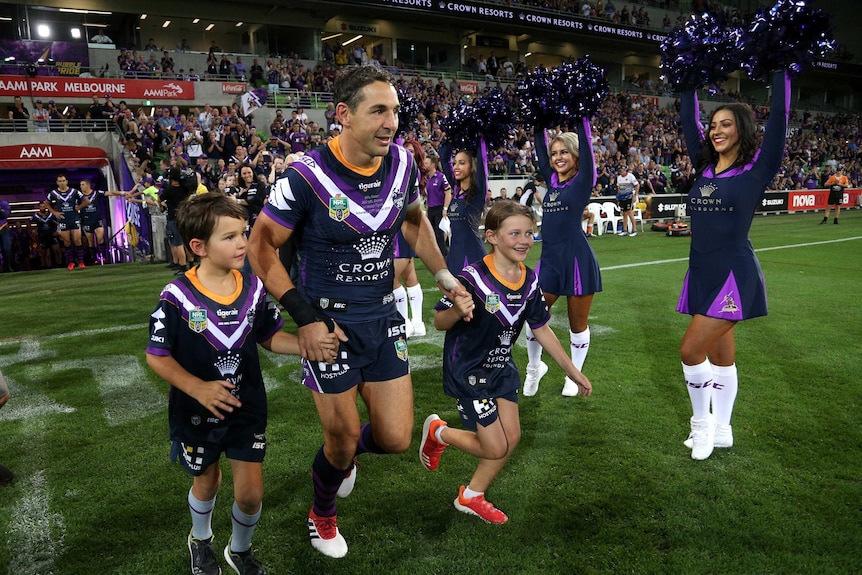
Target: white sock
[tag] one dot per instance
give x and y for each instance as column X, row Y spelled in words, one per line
column 470, row 494
column 534, row 349
column 580, row 345
column 724, row 394
column 699, row 381
column 243, row 528
column 401, row 301
column 414, row 295
column 202, row 516
column 438, row 435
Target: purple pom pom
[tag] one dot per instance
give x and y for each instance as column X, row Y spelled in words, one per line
column 487, row 117
column 789, row 36
column 573, row 90
column 702, row 52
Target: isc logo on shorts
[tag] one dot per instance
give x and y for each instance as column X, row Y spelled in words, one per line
column 258, row 445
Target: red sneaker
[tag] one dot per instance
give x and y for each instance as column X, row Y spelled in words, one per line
column 479, row 507
column 430, row 449
column 71, row 266
column 81, row 266
column 325, row 536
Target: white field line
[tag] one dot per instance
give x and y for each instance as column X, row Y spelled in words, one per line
column 36, row 535
column 790, row 246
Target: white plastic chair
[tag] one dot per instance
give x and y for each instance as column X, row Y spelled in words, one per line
column 639, row 217
column 613, row 215
column 599, row 224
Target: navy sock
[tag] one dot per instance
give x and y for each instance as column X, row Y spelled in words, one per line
column 327, row 480
column 366, row 441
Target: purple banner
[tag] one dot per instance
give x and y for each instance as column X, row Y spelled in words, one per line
column 57, row 58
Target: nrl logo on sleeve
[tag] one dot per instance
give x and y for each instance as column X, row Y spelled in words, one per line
column 198, row 320
column 339, row 208
column 492, row 303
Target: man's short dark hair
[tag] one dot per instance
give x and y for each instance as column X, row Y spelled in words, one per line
column 350, row 81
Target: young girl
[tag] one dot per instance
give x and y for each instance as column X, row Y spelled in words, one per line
column 724, row 283
column 469, row 175
column 568, row 265
column 478, row 371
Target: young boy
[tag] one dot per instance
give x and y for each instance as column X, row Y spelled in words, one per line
column 203, row 341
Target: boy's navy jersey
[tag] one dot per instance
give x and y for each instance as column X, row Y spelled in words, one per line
column 66, row 202
column 477, row 354
column 46, row 224
column 214, row 338
column 346, row 218
column 90, row 212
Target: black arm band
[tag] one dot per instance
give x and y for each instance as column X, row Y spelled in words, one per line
column 302, row 313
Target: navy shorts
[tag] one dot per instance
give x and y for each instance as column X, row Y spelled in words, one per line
column 476, row 412
column 374, row 351
column 91, row 225
column 173, row 234
column 625, row 205
column 66, row 224
column 246, row 446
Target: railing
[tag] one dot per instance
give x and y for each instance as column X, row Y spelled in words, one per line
column 64, row 125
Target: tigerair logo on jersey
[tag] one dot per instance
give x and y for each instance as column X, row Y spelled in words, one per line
column 401, row 349
column 198, row 320
column 492, row 303
column 339, row 208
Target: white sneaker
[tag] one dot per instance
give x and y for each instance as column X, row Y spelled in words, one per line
column 534, row 375
column 702, row 438
column 348, row 483
column 408, row 328
column 622, row 233
column 325, row 536
column 632, row 234
column 419, row 330
column 570, row 388
column 723, row 436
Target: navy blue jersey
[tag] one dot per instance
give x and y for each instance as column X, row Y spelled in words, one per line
column 347, row 219
column 724, row 279
column 46, row 224
column 466, row 243
column 214, row 338
column 91, row 213
column 66, row 202
column 568, row 263
column 477, row 354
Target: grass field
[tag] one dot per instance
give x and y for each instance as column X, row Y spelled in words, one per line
column 598, row 485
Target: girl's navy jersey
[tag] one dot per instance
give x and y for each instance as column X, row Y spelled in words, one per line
column 568, row 264
column 477, row 354
column 466, row 244
column 214, row 338
column 66, row 202
column 724, row 279
column 346, row 219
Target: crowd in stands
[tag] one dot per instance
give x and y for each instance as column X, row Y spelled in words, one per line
column 629, row 129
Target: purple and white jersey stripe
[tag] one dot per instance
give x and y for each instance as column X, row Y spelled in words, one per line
column 346, row 220
column 478, row 354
